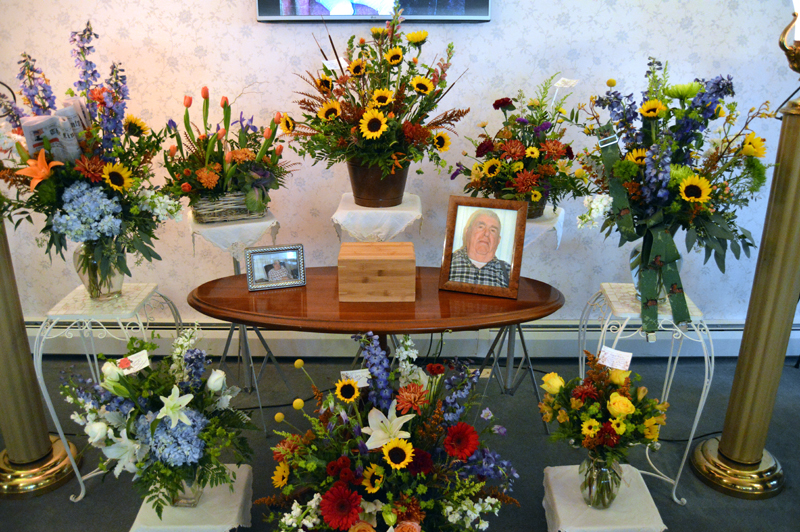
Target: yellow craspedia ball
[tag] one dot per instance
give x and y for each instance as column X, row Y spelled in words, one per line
column 299, row 363
column 279, row 417
column 612, row 82
column 298, row 404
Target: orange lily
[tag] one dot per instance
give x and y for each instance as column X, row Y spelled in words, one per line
column 38, row 169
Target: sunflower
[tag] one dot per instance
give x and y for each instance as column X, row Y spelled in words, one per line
column 753, row 146
column 373, row 478
column 652, row 108
column 492, row 167
column 536, row 195
column 281, row 475
column 417, row 38
column 135, row 126
column 287, row 124
column 394, row 56
column 442, row 141
column 378, row 32
column 373, row 124
column 347, row 390
column 637, row 156
column 324, row 84
column 117, row 176
column 398, row 453
column 532, row 152
column 382, row 97
column 696, row 189
column 590, row 427
column 357, row 68
column 422, row 85
column 330, row 110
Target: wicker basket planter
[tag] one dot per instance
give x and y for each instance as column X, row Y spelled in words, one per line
column 228, row 208
column 536, row 209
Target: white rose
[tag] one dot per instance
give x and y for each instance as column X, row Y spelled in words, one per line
column 111, row 372
column 216, row 381
column 97, row 432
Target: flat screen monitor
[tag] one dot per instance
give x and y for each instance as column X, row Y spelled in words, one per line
column 347, row 10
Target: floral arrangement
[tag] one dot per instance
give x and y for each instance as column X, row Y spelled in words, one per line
column 396, row 455
column 527, row 159
column 376, row 110
column 167, row 423
column 102, row 195
column 603, row 413
column 675, row 170
column 210, row 162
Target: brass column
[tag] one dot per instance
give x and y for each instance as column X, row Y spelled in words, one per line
column 737, row 463
column 33, row 462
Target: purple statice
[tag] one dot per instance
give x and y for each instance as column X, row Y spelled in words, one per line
column 523, row 121
column 35, row 87
column 180, row 445
column 656, row 178
column 459, row 169
column 542, row 128
column 623, row 112
column 11, row 111
column 380, row 393
column 88, row 70
column 460, row 384
column 112, row 112
column 488, row 464
column 194, row 363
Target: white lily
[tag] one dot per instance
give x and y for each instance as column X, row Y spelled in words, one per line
column 173, row 407
column 126, row 452
column 382, row 429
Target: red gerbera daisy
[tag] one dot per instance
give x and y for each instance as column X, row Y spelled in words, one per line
column 421, row 463
column 461, row 441
column 585, row 391
column 608, row 435
column 435, row 369
column 340, row 507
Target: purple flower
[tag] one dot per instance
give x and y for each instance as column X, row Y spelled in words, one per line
column 459, row 169
column 486, row 414
column 523, row 121
column 89, row 75
column 171, row 125
column 543, row 127
column 499, row 429
column 362, row 448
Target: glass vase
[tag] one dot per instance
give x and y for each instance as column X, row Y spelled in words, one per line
column 189, row 495
column 600, row 481
column 635, row 262
column 98, row 286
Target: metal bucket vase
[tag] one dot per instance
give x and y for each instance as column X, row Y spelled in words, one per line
column 369, row 190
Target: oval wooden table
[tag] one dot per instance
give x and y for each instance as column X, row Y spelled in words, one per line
column 315, row 307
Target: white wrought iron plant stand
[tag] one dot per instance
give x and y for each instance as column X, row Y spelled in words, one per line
column 131, row 311
column 616, row 305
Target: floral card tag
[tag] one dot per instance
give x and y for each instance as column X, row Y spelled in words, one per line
column 134, row 363
column 333, row 64
column 361, row 376
column 565, row 83
column 613, row 358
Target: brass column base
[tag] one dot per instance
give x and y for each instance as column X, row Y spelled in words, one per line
column 760, row 481
column 37, row 478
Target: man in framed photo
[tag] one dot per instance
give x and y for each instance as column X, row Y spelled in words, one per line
column 475, row 261
column 278, row 273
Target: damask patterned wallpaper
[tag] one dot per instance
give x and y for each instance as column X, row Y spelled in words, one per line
column 173, row 48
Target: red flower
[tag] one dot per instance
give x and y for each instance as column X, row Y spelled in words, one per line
column 502, row 102
column 125, row 363
column 187, row 101
column 340, row 507
column 422, row 463
column 608, row 435
column 286, row 447
column 333, row 469
column 585, row 391
column 412, row 396
column 344, row 462
column 483, row 148
column 347, row 475
column 570, row 153
column 435, row 369
column 186, row 187
column 461, row 441
column 204, row 93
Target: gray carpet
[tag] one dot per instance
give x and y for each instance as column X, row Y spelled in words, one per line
column 111, row 504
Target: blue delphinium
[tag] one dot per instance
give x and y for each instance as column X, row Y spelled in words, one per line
column 88, row 214
column 12, row 112
column 195, row 363
column 35, row 87
column 180, row 445
column 88, row 70
column 486, row 463
column 112, row 113
column 461, row 384
column 380, row 392
column 623, row 112
column 656, row 177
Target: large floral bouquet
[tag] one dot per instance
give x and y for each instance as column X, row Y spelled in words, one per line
column 167, row 423
column 603, row 413
column 674, row 170
column 396, row 455
column 376, row 110
column 99, row 193
column 212, row 161
column 527, row 159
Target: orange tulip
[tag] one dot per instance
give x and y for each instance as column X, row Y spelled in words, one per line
column 187, row 101
column 38, row 169
column 229, row 157
column 223, row 102
column 204, row 93
column 221, row 133
column 173, row 150
column 277, row 117
column 279, row 150
column 267, row 133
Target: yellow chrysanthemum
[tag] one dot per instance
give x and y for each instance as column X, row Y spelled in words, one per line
column 477, row 172
column 652, row 426
column 532, row 152
column 394, row 55
column 753, row 146
column 590, row 427
column 357, row 68
column 652, row 108
column 492, row 167
column 347, row 390
column 117, row 176
column 135, row 126
column 382, row 97
column 442, row 141
column 517, row 166
column 373, row 124
column 287, row 124
column 696, row 189
column 536, row 195
column 281, row 475
column 618, row 425
column 398, row 453
column 417, row 38
column 637, row 155
column 422, row 85
column 330, row 110
column 324, row 83
column 373, row 478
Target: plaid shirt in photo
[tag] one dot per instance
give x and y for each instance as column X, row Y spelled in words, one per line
column 494, row 273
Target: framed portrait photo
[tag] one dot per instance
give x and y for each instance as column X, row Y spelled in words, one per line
column 483, row 246
column 273, row 267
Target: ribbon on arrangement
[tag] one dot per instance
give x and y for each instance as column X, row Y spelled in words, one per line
column 609, row 151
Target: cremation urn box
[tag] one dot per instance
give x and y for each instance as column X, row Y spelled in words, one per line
column 377, row 272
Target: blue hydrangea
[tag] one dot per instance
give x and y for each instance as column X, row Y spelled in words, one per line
column 180, row 445
column 88, row 214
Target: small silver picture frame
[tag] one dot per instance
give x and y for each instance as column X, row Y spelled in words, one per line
column 271, row 267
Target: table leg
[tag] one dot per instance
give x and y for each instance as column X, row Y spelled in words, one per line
column 244, row 351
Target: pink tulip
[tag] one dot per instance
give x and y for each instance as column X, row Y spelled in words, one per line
column 279, row 150
column 187, row 101
column 267, row 133
column 204, row 93
column 223, row 102
column 277, row 117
